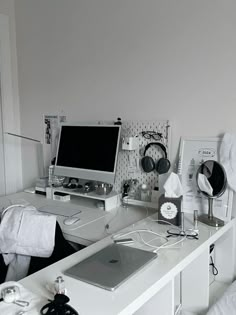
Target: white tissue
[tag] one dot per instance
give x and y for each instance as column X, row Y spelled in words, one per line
column 204, row 185
column 173, row 187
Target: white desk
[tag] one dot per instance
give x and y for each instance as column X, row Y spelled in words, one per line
column 83, row 231
column 177, row 274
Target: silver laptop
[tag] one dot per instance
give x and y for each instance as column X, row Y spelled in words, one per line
column 111, row 266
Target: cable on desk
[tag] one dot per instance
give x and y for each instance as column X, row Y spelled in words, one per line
column 163, row 222
column 156, row 248
column 138, row 231
column 178, row 231
column 212, row 264
column 178, row 309
column 170, row 245
column 214, row 269
column 107, row 226
column 147, row 212
column 11, row 206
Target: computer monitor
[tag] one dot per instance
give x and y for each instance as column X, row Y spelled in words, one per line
column 88, row 152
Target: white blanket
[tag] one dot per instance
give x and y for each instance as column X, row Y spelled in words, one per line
column 26, row 232
column 226, row 305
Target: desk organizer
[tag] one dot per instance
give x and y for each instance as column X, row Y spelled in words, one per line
column 110, row 201
column 128, row 165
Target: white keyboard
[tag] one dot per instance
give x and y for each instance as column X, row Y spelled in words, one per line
column 62, row 211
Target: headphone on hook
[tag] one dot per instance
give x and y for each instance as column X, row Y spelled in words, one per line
column 148, row 164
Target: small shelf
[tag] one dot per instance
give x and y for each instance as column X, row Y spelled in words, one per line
column 110, row 201
column 136, row 202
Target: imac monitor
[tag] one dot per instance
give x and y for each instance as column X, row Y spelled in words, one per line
column 88, row 152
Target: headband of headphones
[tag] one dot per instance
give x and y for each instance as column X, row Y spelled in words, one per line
column 160, row 145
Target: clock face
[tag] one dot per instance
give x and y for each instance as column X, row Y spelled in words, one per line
column 168, row 210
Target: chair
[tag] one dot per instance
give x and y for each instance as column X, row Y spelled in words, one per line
column 61, row 250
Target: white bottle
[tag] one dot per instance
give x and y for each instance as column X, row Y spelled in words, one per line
column 59, row 285
column 145, row 193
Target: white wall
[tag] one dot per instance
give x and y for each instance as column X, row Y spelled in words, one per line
column 152, row 59
column 9, row 97
column 7, row 8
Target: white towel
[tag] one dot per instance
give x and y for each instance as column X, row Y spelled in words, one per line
column 18, row 267
column 228, row 158
column 27, row 232
column 36, row 302
column 204, row 185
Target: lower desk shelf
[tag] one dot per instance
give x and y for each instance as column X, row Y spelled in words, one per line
column 109, row 202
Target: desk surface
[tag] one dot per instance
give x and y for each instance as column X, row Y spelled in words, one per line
column 83, row 231
column 131, row 295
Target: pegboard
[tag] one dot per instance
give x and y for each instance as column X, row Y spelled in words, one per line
column 128, row 164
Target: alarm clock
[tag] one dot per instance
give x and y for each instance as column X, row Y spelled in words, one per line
column 170, row 210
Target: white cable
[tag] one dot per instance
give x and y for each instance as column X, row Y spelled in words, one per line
column 107, row 225
column 183, row 238
column 178, row 309
column 163, row 222
column 138, row 231
column 9, row 207
column 147, row 213
column 148, row 244
column 163, row 246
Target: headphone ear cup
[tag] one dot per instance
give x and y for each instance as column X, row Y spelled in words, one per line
column 162, row 166
column 148, row 164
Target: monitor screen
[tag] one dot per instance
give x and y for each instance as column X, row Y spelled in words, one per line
column 88, row 152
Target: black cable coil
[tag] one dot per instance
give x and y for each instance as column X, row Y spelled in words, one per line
column 58, row 306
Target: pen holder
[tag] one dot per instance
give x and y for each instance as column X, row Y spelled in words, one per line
column 170, row 210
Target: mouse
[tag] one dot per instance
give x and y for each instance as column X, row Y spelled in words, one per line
column 71, row 220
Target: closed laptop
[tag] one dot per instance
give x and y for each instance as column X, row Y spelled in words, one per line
column 111, row 266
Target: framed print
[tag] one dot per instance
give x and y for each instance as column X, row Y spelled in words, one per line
column 193, row 152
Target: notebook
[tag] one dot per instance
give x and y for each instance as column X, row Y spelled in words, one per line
column 111, row 266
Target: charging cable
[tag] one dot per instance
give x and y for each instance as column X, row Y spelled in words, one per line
column 214, row 269
column 212, row 264
column 156, row 248
column 107, row 226
column 138, row 231
column 11, row 206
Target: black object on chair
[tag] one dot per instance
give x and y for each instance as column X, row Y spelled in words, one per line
column 3, row 270
column 61, row 250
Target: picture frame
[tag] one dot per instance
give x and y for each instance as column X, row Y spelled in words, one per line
column 193, row 152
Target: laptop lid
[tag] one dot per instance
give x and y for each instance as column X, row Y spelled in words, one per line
column 111, row 266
